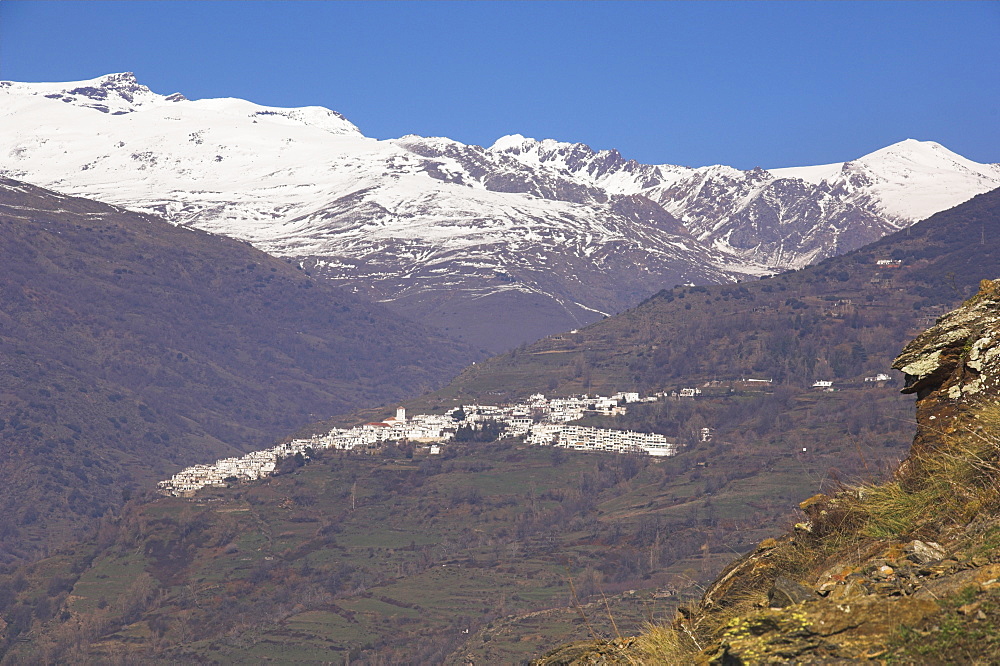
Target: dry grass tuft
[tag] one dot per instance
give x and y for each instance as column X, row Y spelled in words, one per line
column 663, row 644
column 957, row 481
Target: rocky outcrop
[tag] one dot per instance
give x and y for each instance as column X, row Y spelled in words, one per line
column 907, row 571
column 867, row 610
column 877, row 591
column 953, row 368
column 591, row 653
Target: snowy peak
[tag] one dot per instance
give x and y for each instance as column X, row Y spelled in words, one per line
column 912, row 158
column 113, row 93
column 914, row 153
column 512, row 143
column 897, row 160
column 915, row 179
column 312, row 116
column 120, row 94
column 909, row 180
column 571, row 157
column 606, row 169
column 541, row 231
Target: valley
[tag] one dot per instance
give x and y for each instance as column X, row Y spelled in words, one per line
column 130, row 348
column 506, row 533
column 205, row 279
column 471, row 546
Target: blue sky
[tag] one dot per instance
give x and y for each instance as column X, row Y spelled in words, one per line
column 746, row 84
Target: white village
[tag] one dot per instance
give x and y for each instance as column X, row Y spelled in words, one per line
column 539, row 420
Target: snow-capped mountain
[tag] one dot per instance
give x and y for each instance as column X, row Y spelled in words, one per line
column 783, row 218
column 498, row 245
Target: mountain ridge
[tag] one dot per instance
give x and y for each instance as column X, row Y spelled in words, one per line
column 758, row 328
column 455, row 235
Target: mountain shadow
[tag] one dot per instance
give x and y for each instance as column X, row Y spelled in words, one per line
column 130, row 348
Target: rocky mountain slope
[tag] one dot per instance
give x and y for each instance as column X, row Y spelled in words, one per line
column 131, row 348
column 905, row 571
column 498, row 245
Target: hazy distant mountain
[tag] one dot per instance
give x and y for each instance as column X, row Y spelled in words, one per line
column 130, row 347
column 498, row 245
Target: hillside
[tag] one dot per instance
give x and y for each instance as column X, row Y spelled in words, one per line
column 900, row 572
column 498, row 245
column 490, row 552
column 839, row 320
column 397, row 556
column 132, row 348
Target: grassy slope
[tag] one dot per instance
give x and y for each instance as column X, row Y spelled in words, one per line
column 942, row 610
column 432, row 548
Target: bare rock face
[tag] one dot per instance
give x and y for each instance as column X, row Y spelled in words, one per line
column 958, row 356
column 818, row 633
column 786, row 592
column 953, row 367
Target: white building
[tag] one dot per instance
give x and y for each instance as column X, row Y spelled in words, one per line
column 880, row 377
column 518, row 420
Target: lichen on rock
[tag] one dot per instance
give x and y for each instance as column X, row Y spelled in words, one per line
column 953, row 368
column 958, row 349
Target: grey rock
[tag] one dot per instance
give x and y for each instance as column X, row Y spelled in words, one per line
column 786, row 592
column 923, row 553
